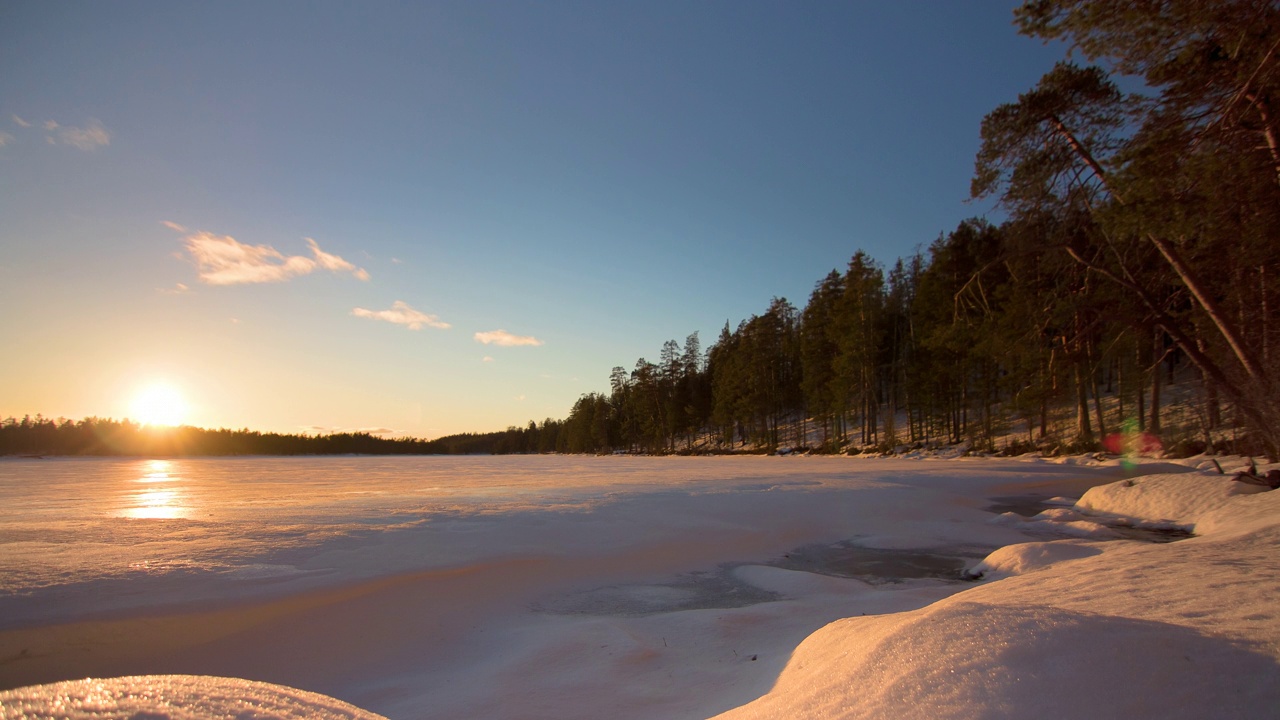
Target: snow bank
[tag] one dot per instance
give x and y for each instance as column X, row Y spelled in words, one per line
column 967, row 660
column 1076, row 629
column 1057, row 521
column 1029, row 557
column 1164, row 500
column 1245, row 513
column 175, row 697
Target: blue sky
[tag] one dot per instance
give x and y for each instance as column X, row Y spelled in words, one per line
column 277, row 208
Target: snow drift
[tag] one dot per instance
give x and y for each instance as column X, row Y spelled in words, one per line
column 1076, row 629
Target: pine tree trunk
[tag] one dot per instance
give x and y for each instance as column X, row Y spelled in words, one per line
column 1211, row 413
column 1265, row 316
column 1155, row 396
column 1046, row 368
column 1084, row 433
column 1120, row 379
column 1097, row 398
column 1144, row 359
column 1097, row 408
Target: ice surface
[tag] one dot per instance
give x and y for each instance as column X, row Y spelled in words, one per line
column 77, row 540
column 649, row 587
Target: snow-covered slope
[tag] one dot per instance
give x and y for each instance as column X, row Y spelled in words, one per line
column 1076, row 628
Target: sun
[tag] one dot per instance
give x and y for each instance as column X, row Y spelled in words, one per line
column 158, row 404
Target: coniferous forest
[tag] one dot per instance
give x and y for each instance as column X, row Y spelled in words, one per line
column 1141, row 241
column 1135, row 266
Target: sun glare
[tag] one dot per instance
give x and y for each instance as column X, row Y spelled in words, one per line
column 159, row 404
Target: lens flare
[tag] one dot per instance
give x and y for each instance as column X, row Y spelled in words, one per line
column 1131, row 443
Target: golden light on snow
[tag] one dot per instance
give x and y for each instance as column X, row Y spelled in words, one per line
column 158, row 404
column 158, row 504
column 167, row 501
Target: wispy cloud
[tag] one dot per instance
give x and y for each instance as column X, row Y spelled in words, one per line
column 486, row 359
column 506, row 339
column 90, row 137
column 322, row 430
column 333, row 263
column 177, row 289
column 402, row 314
column 222, row 260
column 173, row 226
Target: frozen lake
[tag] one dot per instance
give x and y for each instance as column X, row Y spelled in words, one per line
column 414, row 567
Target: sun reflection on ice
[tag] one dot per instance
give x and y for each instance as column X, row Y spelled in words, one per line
column 170, row 503
column 159, row 472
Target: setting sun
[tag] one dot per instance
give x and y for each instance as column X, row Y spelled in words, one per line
column 159, row 404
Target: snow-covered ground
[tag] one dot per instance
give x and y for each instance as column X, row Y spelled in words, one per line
column 173, row 697
column 681, row 602
column 1075, row 628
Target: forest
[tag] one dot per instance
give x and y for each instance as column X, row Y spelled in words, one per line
column 1139, row 247
column 1134, row 265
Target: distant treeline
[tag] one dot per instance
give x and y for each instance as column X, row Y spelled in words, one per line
column 102, row 436
column 99, row 436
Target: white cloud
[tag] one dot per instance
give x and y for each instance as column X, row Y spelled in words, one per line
column 19, row 121
column 222, row 260
column 177, row 289
column 173, row 226
column 85, row 138
column 486, row 359
column 5, row 138
column 50, row 125
column 401, row 314
column 334, row 263
column 506, row 339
